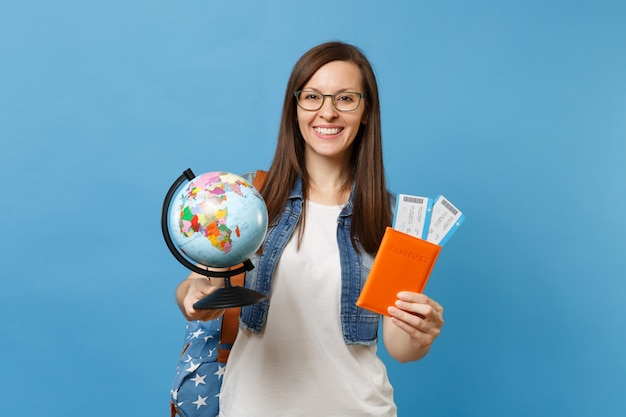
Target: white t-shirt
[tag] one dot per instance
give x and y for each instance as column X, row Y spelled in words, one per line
column 299, row 365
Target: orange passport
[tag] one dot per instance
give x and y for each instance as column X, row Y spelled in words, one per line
column 403, row 263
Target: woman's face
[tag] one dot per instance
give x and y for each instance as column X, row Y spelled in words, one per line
column 329, row 132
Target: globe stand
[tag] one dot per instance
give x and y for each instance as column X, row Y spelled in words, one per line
column 229, row 295
column 225, row 297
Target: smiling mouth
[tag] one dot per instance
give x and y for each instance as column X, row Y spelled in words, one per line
column 328, row 130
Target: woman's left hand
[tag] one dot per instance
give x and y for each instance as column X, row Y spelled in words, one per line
column 419, row 316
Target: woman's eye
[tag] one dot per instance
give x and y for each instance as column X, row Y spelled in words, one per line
column 345, row 98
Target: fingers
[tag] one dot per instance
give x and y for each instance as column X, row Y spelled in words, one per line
column 418, row 315
column 206, row 315
column 414, row 297
column 197, row 290
column 191, row 313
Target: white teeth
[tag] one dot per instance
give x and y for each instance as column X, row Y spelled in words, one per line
column 327, row 130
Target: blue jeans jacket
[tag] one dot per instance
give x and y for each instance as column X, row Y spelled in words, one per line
column 359, row 326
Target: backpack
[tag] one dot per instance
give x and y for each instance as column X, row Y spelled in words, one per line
column 202, row 363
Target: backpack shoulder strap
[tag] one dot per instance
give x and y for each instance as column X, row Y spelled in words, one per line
column 230, row 319
column 259, row 179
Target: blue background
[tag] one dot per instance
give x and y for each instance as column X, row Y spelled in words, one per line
column 515, row 110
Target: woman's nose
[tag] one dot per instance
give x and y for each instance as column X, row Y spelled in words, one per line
column 328, row 109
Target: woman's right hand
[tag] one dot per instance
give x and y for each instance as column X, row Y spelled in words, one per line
column 190, row 291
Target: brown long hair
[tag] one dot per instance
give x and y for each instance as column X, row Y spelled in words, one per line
column 371, row 213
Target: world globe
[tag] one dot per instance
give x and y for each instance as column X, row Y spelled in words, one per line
column 217, row 219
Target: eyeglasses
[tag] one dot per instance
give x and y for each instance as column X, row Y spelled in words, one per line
column 313, row 100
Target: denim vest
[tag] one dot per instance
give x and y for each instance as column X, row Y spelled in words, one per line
column 359, row 326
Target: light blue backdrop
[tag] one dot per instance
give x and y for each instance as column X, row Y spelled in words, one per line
column 515, row 110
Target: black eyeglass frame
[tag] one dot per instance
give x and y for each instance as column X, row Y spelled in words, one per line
column 332, row 96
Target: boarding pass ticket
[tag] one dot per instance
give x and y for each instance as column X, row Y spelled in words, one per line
column 434, row 221
column 444, row 221
column 412, row 215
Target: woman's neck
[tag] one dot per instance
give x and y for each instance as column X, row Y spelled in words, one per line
column 328, row 183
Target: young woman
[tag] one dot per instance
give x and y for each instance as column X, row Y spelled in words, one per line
column 309, row 350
